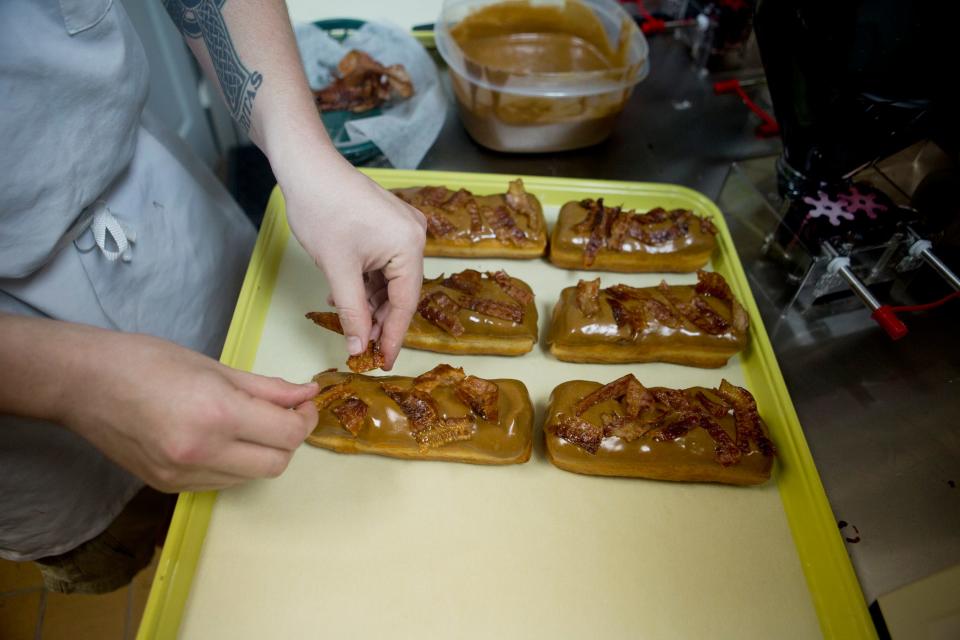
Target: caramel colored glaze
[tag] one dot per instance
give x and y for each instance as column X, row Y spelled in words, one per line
column 482, row 332
column 688, row 253
column 385, row 430
column 688, row 458
column 575, row 337
column 463, row 242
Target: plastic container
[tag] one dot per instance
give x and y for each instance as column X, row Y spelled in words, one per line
column 534, row 76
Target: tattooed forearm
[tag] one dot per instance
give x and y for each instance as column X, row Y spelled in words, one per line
column 202, row 19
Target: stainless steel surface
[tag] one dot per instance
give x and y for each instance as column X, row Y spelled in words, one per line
column 882, row 418
column 858, row 287
column 938, row 266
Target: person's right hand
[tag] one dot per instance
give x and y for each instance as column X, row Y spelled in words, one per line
column 182, row 421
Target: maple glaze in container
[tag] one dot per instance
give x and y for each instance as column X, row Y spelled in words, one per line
column 534, row 77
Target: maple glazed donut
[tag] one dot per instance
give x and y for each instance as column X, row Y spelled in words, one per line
column 590, row 235
column 699, row 325
column 463, row 225
column 625, row 429
column 443, row 414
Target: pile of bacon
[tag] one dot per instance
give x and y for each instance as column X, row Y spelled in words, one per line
column 370, row 359
column 608, row 227
column 363, row 84
column 435, row 203
column 668, row 414
column 635, row 308
column 427, row 426
column 441, row 309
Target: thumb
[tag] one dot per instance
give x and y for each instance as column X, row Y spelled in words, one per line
column 276, row 390
column 349, row 297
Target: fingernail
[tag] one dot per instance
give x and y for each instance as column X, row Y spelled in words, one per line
column 354, row 346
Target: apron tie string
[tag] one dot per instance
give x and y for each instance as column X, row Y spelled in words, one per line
column 103, row 222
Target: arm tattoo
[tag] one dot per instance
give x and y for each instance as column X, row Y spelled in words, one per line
column 202, row 19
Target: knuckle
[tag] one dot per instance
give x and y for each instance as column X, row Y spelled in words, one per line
column 278, row 464
column 185, row 451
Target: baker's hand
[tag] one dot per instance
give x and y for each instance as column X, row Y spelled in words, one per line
column 368, row 243
column 182, row 421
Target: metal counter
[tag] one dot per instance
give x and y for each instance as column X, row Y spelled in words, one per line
column 882, row 418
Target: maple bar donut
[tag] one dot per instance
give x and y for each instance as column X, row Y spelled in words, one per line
column 699, row 325
column 463, row 225
column 470, row 312
column 443, row 414
column 625, row 429
column 590, row 235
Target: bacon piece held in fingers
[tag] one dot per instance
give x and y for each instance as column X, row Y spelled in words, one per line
column 509, row 287
column 440, row 375
column 370, row 359
column 482, row 396
column 467, row 281
column 585, row 435
column 351, row 413
column 439, row 309
column 492, row 308
column 588, row 297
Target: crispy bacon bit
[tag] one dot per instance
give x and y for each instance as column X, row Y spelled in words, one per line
column 746, row 418
column 624, row 293
column 467, row 281
column 439, row 309
column 619, row 227
column 326, row 319
column 438, row 225
column 629, row 317
column 419, row 406
column 706, row 319
column 659, row 236
column 518, row 200
column 451, row 430
column 492, row 308
column 636, row 398
column 594, row 212
column 461, row 198
column 725, row 451
column 597, row 239
column 627, row 429
column 612, row 391
column 677, row 429
column 581, row 433
column 440, row 375
column 482, row 396
column 504, row 226
column 369, row 360
column 515, row 291
column 333, row 392
column 660, row 312
column 588, row 297
column 476, row 222
column 654, row 216
column 711, row 283
column 363, row 84
column 716, row 409
column 707, row 226
column 351, row 413
column 433, row 196
column 671, row 398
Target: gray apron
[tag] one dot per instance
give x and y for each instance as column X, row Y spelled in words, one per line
column 105, row 219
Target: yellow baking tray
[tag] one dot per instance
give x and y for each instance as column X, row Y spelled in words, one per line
column 833, row 589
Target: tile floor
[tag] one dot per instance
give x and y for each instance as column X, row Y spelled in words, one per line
column 29, row 612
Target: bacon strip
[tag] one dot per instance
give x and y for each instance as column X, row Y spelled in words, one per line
column 597, row 238
column 707, row 226
column 725, row 451
column 627, row 429
column 492, row 308
column 440, row 310
column 581, row 433
column 451, row 430
column 331, row 393
column 351, row 413
column 515, row 291
column 467, row 281
column 588, row 297
column 504, row 226
column 614, row 390
column 476, row 222
column 419, row 406
column 746, row 418
column 703, row 317
column 677, row 429
column 628, row 317
column 711, row 283
column 482, row 396
column 518, row 200
column 461, row 198
column 438, row 225
column 370, row 359
column 440, row 375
